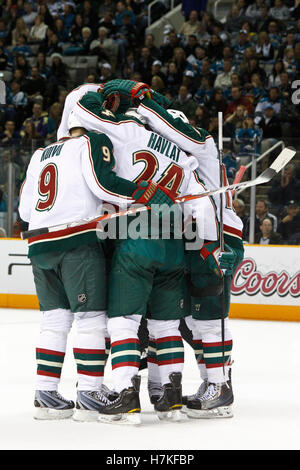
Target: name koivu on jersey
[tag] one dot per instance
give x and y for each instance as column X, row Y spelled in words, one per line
column 51, row 152
column 159, row 144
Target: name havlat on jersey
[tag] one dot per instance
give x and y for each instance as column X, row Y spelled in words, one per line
column 164, row 146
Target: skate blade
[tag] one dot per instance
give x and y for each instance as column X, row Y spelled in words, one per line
column 122, row 418
column 50, row 413
column 171, row 415
column 221, row 412
column 86, row 415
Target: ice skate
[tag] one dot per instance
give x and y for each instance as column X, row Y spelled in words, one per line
column 168, row 405
column 126, row 408
column 89, row 403
column 214, row 403
column 201, row 390
column 51, row 405
column 155, row 391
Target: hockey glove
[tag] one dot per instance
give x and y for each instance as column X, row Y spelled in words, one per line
column 150, row 193
column 227, row 260
column 160, row 99
column 128, row 92
column 210, row 254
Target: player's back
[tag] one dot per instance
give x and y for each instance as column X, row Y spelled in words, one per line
column 59, row 190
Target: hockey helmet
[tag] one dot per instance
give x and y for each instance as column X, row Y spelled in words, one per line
column 73, row 121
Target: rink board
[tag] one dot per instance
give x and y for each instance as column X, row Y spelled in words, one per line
column 266, row 286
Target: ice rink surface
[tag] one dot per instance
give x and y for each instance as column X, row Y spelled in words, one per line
column 266, row 384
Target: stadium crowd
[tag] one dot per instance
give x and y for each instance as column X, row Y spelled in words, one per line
column 246, row 66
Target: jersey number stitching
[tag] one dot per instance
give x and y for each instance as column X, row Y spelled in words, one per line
column 47, row 187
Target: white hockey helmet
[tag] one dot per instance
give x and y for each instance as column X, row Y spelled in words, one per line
column 133, row 113
column 178, row 114
column 73, row 121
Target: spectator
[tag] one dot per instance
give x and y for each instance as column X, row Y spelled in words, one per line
column 75, row 34
column 10, row 136
column 58, row 71
column 106, row 72
column 272, row 99
column 184, row 103
column 39, row 118
column 30, row 136
column 285, row 188
column 253, row 11
column 121, row 11
column 190, row 26
column 43, row 68
column 149, row 42
column 107, row 21
column 29, row 16
column 54, row 118
column 39, row 30
column 271, row 130
column 173, row 78
column 264, row 49
column 274, row 34
column 266, row 235
column 143, row 64
column 68, row 16
column 239, row 207
column 104, row 47
column 19, row 30
column 167, row 49
column 262, row 22
column 251, row 68
column 274, row 77
column 21, row 47
column 126, row 36
column 238, row 99
column 156, row 70
column 157, row 84
column 289, row 226
column 35, row 85
column 234, row 121
column 279, row 11
column 234, row 19
column 261, row 212
column 248, row 138
column 214, row 48
column 201, row 117
column 242, row 44
column 223, row 80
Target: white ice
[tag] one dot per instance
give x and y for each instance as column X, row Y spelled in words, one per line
column 266, row 382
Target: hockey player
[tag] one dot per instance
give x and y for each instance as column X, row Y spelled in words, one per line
column 67, row 181
column 215, row 395
column 144, row 272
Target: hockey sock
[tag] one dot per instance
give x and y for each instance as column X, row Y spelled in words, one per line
column 153, row 368
column 125, row 349
column 169, row 347
column 212, row 349
column 89, row 349
column 51, row 347
column 197, row 346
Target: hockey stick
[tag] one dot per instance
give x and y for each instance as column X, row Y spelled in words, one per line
column 283, row 158
column 239, row 175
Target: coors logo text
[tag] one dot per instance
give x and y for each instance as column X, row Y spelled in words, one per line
column 248, row 280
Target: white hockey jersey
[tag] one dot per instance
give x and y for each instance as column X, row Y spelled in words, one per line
column 66, row 182
column 145, row 155
column 70, row 102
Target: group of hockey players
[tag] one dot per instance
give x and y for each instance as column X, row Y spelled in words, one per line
column 119, row 145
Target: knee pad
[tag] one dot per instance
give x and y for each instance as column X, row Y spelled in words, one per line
column 125, row 326
column 87, row 321
column 58, row 321
column 161, row 328
column 211, row 326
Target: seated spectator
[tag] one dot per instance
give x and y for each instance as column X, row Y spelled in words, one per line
column 266, row 235
column 76, row 29
column 157, row 84
column 274, row 77
column 264, row 49
column 58, row 71
column 251, row 68
column 248, row 139
column 234, row 121
column 29, row 135
column 223, row 80
column 216, row 102
column 167, row 49
column 201, row 117
column 237, row 100
column 143, row 64
column 239, row 207
column 156, row 70
column 207, row 72
column 279, row 11
column 262, row 23
column 21, row 47
column 184, row 103
column 255, row 91
column 274, row 34
column 3, row 59
column 19, row 30
column 242, row 44
column 261, row 212
column 30, row 15
column 214, row 48
column 43, row 68
column 173, row 78
column 38, row 31
column 289, row 226
column 107, row 21
column 54, row 118
column 39, row 118
column 10, row 136
column 104, row 47
column 106, row 73
column 121, row 11
column 271, row 128
column 289, row 62
column 68, row 16
column 272, row 99
column 190, row 26
column 284, row 188
column 234, row 19
column 253, row 11
column 149, row 42
column 35, row 85
column 51, row 44
column 126, row 36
